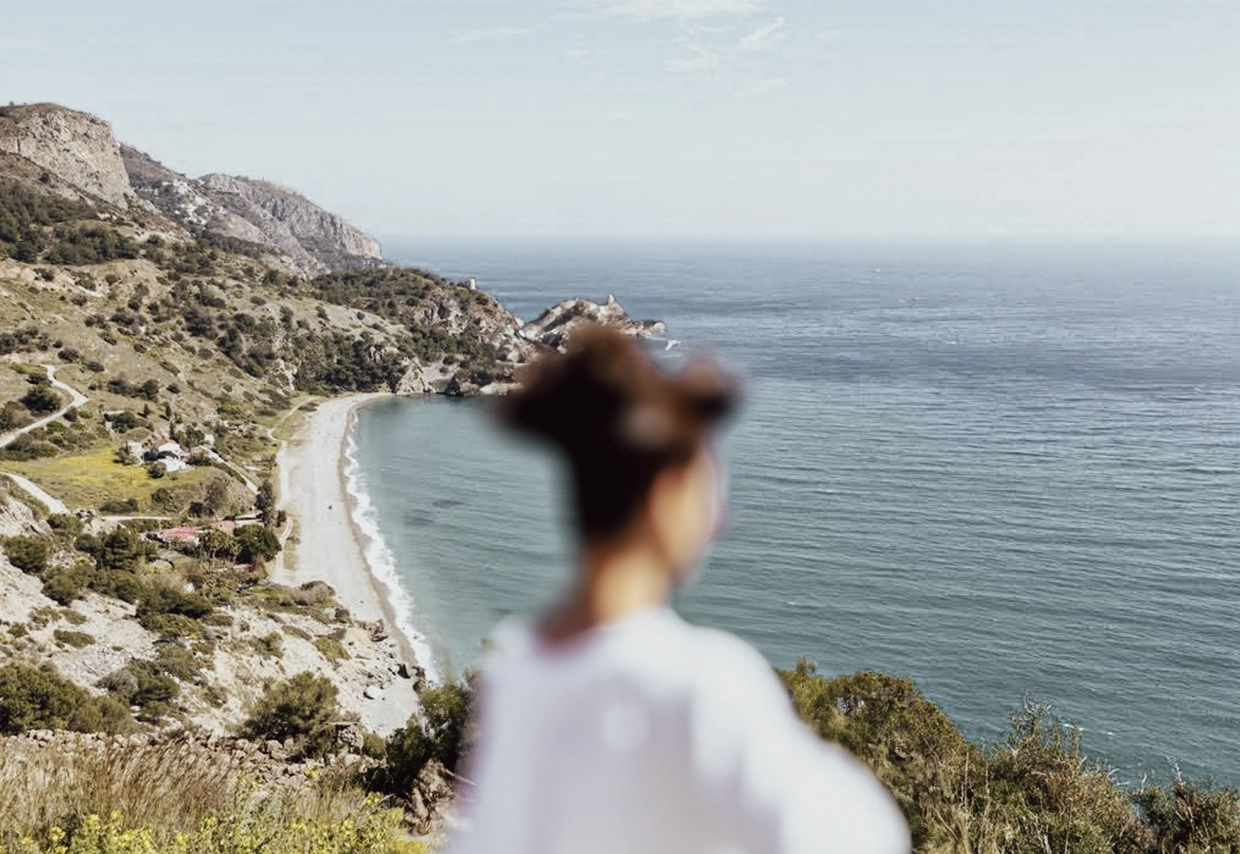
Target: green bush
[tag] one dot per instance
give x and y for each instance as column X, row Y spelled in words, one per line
column 270, row 645
column 121, row 550
column 886, row 722
column 1035, row 792
column 41, row 400
column 120, row 507
column 438, row 735
column 13, row 415
column 171, row 612
column 1192, row 818
column 303, row 708
column 77, row 640
column 29, row 554
column 64, row 584
column 257, row 543
column 65, row 525
column 35, row 698
column 330, row 647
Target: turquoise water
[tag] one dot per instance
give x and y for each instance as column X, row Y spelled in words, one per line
column 997, row 469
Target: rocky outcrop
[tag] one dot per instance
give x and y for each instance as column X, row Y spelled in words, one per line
column 290, row 227
column 555, row 326
column 278, row 212
column 432, row 795
column 16, row 517
column 76, row 147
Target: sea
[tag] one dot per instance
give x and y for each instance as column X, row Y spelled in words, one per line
column 1009, row 470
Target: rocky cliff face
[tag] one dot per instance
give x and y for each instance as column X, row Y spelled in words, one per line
column 76, row 147
column 306, row 237
column 555, row 326
column 277, row 212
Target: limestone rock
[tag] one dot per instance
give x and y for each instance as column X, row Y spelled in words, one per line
column 278, row 213
column 555, row 326
column 76, row 147
column 431, row 796
column 300, row 233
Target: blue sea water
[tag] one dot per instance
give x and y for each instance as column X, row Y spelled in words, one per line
column 1001, row 469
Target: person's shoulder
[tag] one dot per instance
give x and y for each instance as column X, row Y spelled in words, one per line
column 719, row 663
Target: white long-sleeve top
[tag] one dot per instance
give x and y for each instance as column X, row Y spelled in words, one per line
column 650, row 735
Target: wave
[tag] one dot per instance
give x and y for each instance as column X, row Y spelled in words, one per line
column 380, row 561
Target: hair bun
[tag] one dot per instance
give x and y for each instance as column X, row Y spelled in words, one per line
column 615, row 414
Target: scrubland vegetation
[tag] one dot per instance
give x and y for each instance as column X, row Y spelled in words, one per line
column 1036, row 791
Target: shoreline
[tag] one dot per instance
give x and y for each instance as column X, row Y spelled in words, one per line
column 329, row 545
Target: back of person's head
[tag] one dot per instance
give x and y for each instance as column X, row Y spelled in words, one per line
column 618, row 419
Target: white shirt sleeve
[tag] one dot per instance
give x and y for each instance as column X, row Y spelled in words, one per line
column 772, row 785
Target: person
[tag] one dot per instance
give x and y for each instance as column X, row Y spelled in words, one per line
column 612, row 725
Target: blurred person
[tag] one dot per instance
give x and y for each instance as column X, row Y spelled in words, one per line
column 612, row 725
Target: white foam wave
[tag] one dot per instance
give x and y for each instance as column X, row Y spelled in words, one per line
column 381, row 562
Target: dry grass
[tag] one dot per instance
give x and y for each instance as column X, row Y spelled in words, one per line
column 167, row 788
column 90, row 479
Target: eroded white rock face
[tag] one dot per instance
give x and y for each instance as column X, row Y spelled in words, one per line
column 306, row 237
column 278, row 212
column 76, row 147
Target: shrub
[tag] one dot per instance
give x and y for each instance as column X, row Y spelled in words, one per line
column 886, row 722
column 119, row 506
column 303, row 708
column 65, row 525
column 29, row 554
column 34, row 698
column 313, row 593
column 439, row 735
column 121, row 550
column 14, row 415
column 258, row 543
column 155, row 602
column 270, row 645
column 41, row 399
column 77, row 640
column 1188, row 817
column 65, row 584
column 330, row 647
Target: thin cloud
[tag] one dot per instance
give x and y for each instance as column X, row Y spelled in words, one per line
column 763, row 38
column 492, row 34
column 651, row 10
column 700, row 59
column 763, row 86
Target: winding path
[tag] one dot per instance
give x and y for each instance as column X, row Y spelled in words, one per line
column 76, row 399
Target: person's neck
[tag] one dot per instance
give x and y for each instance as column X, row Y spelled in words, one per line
column 615, row 581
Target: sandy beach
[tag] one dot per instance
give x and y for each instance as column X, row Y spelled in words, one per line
column 326, row 544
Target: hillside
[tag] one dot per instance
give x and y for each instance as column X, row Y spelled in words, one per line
column 156, row 333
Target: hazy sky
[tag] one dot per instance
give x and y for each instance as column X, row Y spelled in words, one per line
column 729, row 117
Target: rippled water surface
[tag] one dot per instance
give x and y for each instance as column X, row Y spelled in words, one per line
column 998, row 469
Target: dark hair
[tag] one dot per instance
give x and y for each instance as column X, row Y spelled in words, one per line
column 618, row 419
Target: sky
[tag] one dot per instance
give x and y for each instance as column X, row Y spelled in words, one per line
column 702, row 118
